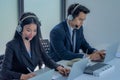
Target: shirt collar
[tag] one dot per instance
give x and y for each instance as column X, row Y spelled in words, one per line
column 69, row 28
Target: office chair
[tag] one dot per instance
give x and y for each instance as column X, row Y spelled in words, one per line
column 1, row 60
column 46, row 45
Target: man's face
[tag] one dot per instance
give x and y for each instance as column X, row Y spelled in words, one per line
column 78, row 21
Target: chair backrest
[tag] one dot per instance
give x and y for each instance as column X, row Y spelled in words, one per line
column 46, row 45
column 1, row 60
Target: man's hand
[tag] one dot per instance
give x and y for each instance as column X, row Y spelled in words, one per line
column 97, row 55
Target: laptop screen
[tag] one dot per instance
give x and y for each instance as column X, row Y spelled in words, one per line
column 111, row 52
column 78, row 68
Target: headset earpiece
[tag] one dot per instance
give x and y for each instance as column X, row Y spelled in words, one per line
column 19, row 27
column 70, row 17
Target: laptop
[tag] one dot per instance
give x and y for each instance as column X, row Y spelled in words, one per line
column 43, row 74
column 111, row 52
column 76, row 70
column 99, row 68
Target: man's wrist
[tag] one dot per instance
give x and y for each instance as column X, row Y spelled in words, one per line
column 94, row 51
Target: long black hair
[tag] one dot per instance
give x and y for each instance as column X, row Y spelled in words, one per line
column 24, row 20
column 35, row 42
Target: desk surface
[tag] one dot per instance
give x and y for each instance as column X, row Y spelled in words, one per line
column 113, row 74
column 55, row 74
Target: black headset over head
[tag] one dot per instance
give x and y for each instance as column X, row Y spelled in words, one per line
column 19, row 27
column 70, row 16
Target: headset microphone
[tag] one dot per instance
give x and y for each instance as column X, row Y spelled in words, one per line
column 26, row 38
column 76, row 26
column 19, row 28
column 21, row 35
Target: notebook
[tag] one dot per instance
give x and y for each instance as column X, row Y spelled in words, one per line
column 70, row 62
column 44, row 74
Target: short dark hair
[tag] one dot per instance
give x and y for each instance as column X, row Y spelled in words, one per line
column 79, row 9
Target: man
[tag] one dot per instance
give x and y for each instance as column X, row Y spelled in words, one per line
column 67, row 38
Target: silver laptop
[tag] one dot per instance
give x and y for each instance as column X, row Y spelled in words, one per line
column 98, row 68
column 44, row 74
column 76, row 70
column 78, row 67
column 111, row 52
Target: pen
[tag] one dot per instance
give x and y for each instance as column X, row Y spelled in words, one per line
column 29, row 69
column 86, row 51
column 85, row 55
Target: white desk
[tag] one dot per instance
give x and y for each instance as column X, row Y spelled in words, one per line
column 55, row 74
column 113, row 74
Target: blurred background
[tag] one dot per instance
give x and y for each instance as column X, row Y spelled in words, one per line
column 101, row 27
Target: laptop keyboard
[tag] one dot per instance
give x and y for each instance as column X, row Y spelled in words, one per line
column 97, row 66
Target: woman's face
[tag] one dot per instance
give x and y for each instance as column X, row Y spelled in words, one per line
column 29, row 31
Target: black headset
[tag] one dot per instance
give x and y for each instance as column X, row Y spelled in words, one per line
column 19, row 28
column 70, row 16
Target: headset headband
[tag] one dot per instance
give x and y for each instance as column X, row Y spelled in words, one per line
column 75, row 8
column 27, row 17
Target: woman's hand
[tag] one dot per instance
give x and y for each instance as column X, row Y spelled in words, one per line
column 27, row 76
column 63, row 71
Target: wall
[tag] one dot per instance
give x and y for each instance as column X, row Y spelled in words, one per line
column 102, row 25
column 47, row 11
column 8, row 22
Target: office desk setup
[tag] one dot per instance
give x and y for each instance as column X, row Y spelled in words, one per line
column 77, row 69
column 106, row 73
column 113, row 74
column 48, row 74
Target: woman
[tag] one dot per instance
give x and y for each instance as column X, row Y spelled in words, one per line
column 25, row 51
